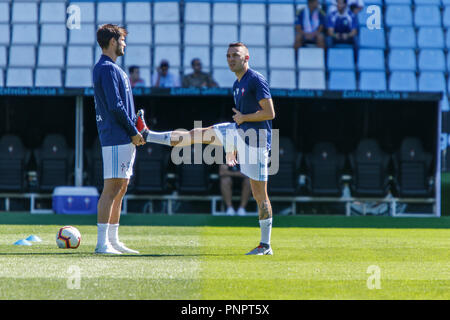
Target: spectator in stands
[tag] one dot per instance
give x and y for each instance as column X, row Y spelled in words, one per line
column 310, row 23
column 198, row 78
column 227, row 176
column 163, row 78
column 355, row 6
column 135, row 78
column 342, row 26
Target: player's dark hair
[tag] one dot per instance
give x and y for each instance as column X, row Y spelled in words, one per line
column 237, row 44
column 132, row 68
column 108, row 31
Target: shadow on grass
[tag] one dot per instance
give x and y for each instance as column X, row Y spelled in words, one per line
column 207, row 220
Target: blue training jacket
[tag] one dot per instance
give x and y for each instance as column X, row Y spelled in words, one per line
column 114, row 104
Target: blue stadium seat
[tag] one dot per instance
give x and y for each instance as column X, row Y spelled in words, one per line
column 446, row 17
column 3, row 56
column 427, row 16
column 371, row 59
column 431, row 60
column 342, row 80
column 372, row 80
column 398, row 15
column 402, row 59
column 403, row 81
column 432, row 81
column 340, row 59
column 388, row 2
column 363, row 15
column 402, row 37
column 447, row 39
column 429, row 2
column 430, row 37
column 372, row 38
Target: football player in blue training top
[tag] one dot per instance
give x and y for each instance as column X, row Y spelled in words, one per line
column 253, row 114
column 115, row 115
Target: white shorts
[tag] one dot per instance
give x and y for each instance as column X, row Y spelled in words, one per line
column 253, row 161
column 118, row 161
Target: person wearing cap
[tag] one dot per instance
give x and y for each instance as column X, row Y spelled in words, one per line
column 163, row 78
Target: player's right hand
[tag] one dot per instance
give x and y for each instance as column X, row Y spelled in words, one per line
column 230, row 158
column 138, row 140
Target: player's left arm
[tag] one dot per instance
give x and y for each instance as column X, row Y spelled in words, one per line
column 267, row 112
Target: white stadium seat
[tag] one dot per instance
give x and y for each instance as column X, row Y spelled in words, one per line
column 78, row 77
column 80, row 56
column 167, row 34
column 137, row 12
column 53, row 12
column 85, row 35
column 137, row 55
column 139, row 33
column 4, row 12
column 22, row 56
column 257, row 58
column 225, row 13
column 281, row 58
column 224, row 77
column 53, row 33
column 200, row 52
column 4, row 33
column 281, row 36
column 282, row 79
column 87, row 11
column 224, row 34
column 3, row 56
column 25, row 33
column 281, row 14
column 48, row 77
column 169, row 53
column 19, row 77
column 253, row 35
column 312, row 79
column 253, row 13
column 166, row 12
column 311, row 58
column 219, row 56
column 24, row 12
column 197, row 34
column 51, row 56
column 109, row 12
column 197, row 12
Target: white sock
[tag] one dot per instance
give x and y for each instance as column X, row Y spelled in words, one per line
column 159, row 137
column 113, row 233
column 102, row 234
column 266, row 229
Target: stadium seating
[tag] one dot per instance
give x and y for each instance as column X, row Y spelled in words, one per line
column 342, row 80
column 370, row 176
column 371, row 59
column 324, row 170
column 94, row 162
column 403, row 81
column 285, row 181
column 48, row 77
column 402, row 59
column 151, row 168
column 204, row 29
column 193, row 178
column 54, row 162
column 14, row 158
column 372, row 80
column 412, row 169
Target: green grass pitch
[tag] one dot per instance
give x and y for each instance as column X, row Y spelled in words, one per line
column 196, row 257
